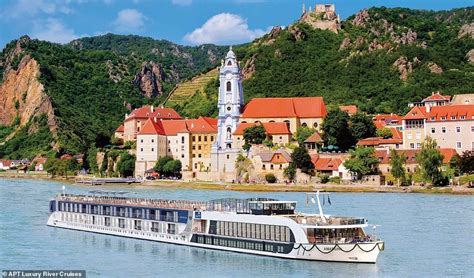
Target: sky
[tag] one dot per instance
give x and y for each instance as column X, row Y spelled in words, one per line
column 188, row 22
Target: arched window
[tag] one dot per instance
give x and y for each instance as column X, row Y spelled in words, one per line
column 315, row 125
column 229, row 146
column 229, row 63
column 229, row 132
column 228, row 86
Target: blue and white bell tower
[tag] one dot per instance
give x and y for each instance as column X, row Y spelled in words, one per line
column 230, row 102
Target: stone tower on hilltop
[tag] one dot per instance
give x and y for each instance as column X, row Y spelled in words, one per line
column 322, row 17
column 230, row 103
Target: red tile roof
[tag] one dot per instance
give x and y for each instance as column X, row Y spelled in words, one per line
column 315, row 138
column 301, row 107
column 376, row 141
column 396, row 134
column 6, row 163
column 350, row 109
column 435, row 97
column 416, row 113
column 449, row 111
column 121, row 128
column 152, row 128
column 272, row 128
column 149, row 111
column 381, row 120
column 384, row 155
column 326, row 163
column 199, row 125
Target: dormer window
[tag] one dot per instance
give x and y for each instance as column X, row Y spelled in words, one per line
column 432, row 118
column 443, row 118
column 463, row 117
column 169, row 114
column 453, row 117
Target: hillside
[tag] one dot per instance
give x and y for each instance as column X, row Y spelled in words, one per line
column 85, row 88
column 66, row 98
column 187, row 89
column 381, row 59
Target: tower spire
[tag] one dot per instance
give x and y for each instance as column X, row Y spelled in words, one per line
column 303, row 9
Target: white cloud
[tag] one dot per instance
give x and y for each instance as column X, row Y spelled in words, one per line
column 53, row 30
column 224, row 28
column 129, row 20
column 182, row 2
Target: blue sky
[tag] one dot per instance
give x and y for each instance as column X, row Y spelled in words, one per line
column 189, row 22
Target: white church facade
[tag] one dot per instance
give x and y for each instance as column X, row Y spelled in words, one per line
column 230, row 103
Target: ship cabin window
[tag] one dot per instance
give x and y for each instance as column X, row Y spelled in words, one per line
column 171, row 229
column 121, row 223
column 272, row 207
column 138, row 225
column 107, row 221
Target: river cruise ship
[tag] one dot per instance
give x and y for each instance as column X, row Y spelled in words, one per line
column 257, row 226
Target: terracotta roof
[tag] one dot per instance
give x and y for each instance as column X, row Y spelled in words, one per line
column 396, row 134
column 302, row 107
column 325, row 163
column 152, row 128
column 435, row 97
column 416, row 113
column 268, row 156
column 384, row 155
column 121, row 128
column 39, row 160
column 376, row 141
column 350, row 109
column 272, row 128
column 315, row 138
column 199, row 125
column 6, row 162
column 381, row 120
column 149, row 111
column 449, row 111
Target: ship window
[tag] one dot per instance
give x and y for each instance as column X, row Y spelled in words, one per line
column 257, row 231
column 252, row 230
column 107, row 221
column 138, row 225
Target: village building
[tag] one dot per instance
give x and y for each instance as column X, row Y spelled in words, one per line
column 277, row 133
column 294, row 111
column 452, row 126
column 387, row 120
column 188, row 140
column 411, row 165
column 314, row 143
column 395, row 142
column 135, row 121
column 349, row 109
column 436, row 99
column 6, row 164
column 331, row 166
column 273, row 162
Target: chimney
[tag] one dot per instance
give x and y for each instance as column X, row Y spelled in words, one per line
column 162, row 107
column 152, row 109
column 155, row 119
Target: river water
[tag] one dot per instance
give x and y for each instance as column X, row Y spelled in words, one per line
column 425, row 235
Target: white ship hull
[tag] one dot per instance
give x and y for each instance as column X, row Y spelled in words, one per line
column 362, row 252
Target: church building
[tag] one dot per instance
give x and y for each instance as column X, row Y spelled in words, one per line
column 230, row 103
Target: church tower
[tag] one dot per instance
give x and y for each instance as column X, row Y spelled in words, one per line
column 230, row 102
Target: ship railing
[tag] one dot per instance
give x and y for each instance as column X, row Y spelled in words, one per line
column 339, row 240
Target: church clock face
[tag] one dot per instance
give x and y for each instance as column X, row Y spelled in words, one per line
column 228, row 75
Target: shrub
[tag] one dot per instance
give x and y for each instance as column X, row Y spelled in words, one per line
column 324, row 178
column 270, row 178
column 336, row 180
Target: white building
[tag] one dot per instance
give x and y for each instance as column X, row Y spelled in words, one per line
column 230, row 102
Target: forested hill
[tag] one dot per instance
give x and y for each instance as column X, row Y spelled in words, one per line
column 380, row 59
column 88, row 85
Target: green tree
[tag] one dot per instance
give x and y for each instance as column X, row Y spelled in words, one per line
column 254, row 135
column 384, row 132
column 336, row 130
column 467, row 162
column 303, row 133
column 270, row 178
column 430, row 160
column 173, row 167
column 397, row 161
column 455, row 164
column 160, row 164
column 91, row 159
column 290, row 172
column 126, row 165
column 362, row 161
column 362, row 126
column 50, row 166
column 301, row 159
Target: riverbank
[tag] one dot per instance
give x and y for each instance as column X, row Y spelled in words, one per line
column 199, row 185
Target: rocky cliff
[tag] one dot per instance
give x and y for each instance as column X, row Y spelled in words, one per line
column 22, row 95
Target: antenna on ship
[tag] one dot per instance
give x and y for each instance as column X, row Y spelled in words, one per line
column 310, row 196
